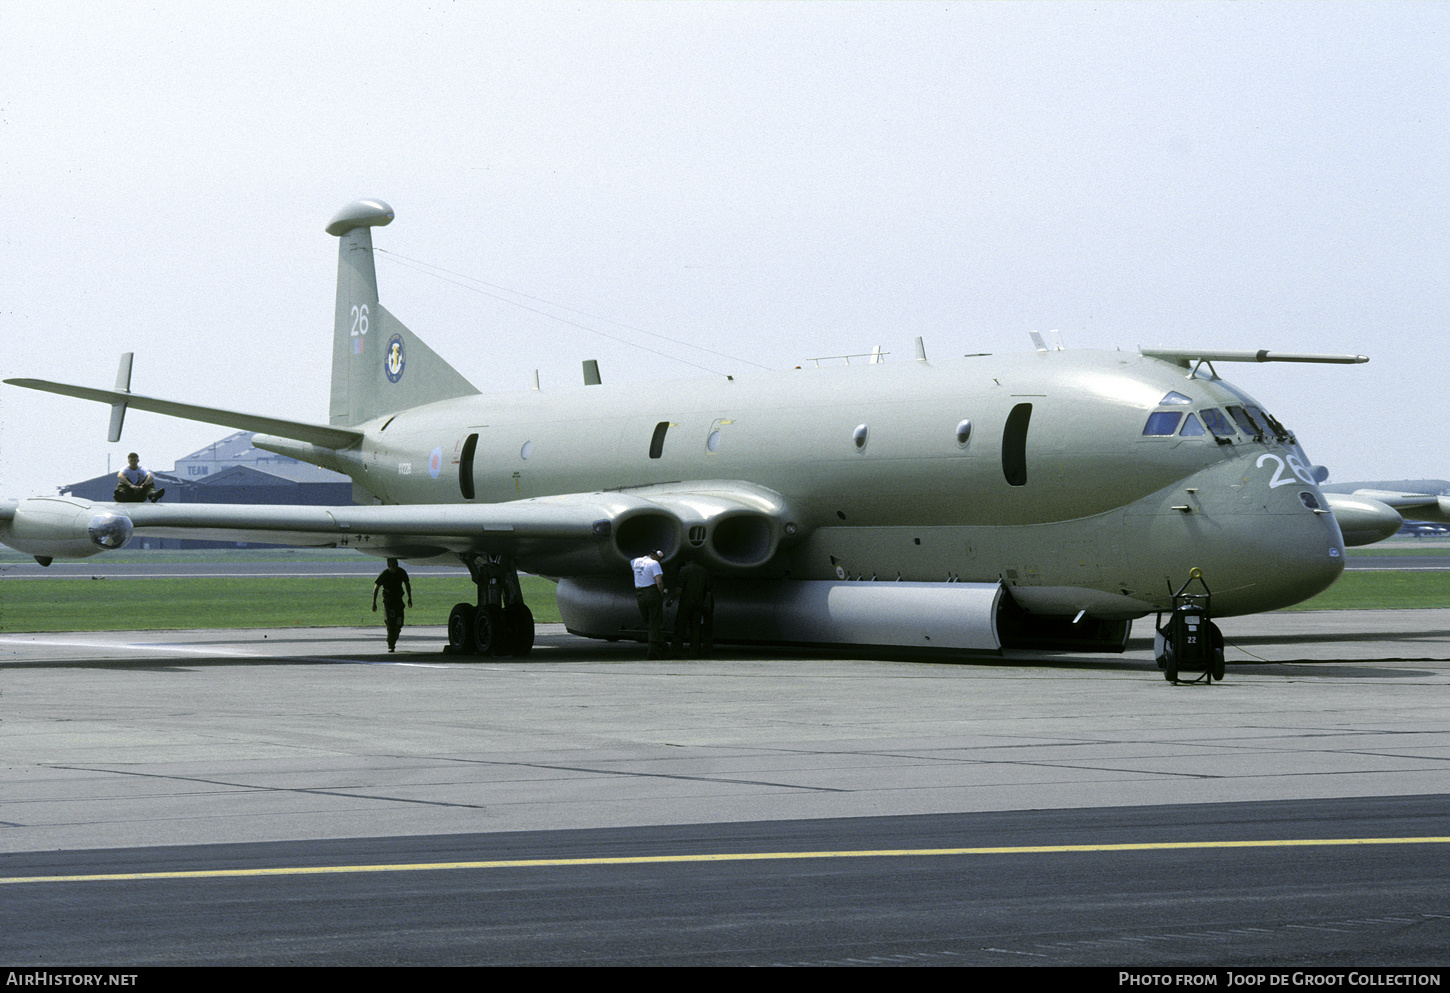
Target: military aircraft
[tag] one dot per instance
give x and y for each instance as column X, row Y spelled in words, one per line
column 986, row 503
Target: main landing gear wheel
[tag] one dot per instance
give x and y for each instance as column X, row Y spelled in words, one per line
column 460, row 629
column 489, row 634
column 501, row 624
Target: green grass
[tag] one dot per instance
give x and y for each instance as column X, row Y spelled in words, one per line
column 1382, row 589
column 169, row 604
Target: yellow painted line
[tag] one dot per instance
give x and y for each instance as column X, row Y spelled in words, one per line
column 726, row 857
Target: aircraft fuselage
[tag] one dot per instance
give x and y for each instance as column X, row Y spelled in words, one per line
column 1033, row 470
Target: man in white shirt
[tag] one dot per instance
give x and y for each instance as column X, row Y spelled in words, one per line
column 649, row 591
column 135, row 484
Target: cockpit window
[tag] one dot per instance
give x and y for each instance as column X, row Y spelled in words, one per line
column 1174, row 397
column 1163, row 422
column 1246, row 423
column 1269, row 421
column 1217, row 423
column 1191, row 427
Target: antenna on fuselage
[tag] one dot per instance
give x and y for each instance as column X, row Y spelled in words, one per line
column 920, row 349
column 591, row 372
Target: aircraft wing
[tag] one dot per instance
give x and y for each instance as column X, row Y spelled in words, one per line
column 578, row 534
column 316, row 434
column 561, row 536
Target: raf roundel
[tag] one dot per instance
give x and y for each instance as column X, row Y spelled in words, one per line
column 435, row 462
column 393, row 359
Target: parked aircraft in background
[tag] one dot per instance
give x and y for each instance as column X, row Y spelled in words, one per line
column 1424, row 529
column 1041, row 500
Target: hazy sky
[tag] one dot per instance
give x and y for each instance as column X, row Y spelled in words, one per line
column 766, row 182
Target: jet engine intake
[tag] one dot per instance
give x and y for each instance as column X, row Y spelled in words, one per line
column 743, row 540
column 731, row 526
column 639, row 532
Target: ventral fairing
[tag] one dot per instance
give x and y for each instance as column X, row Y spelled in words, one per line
column 1041, row 500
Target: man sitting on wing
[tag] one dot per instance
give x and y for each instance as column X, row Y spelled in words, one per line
column 135, row 484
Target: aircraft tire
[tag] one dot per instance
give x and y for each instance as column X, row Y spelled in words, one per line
column 490, row 636
column 520, row 622
column 1216, row 667
column 1170, row 664
column 460, row 629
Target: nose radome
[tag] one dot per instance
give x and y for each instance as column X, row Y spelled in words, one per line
column 1260, row 546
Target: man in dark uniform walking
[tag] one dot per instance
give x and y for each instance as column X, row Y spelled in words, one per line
column 392, row 581
column 694, row 620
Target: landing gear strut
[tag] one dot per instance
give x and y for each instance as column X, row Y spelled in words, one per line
column 500, row 623
column 1190, row 641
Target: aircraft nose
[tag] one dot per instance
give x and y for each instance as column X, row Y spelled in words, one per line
column 1264, row 539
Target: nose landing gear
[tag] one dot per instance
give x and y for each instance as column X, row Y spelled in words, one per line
column 1190, row 641
column 501, row 623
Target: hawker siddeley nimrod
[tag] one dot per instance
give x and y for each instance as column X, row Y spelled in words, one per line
column 1036, row 501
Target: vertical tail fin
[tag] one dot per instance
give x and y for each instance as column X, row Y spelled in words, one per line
column 378, row 366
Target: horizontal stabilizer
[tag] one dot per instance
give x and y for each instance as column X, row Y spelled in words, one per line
column 316, row 434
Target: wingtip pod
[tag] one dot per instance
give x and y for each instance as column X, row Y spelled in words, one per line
column 64, row 528
column 1362, row 519
column 359, row 214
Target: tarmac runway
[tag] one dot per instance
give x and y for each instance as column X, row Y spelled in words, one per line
column 303, row 797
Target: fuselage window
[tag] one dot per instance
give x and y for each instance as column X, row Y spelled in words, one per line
column 1014, row 445
column 657, row 443
column 1217, row 423
column 1191, row 428
column 712, row 443
column 465, row 467
column 964, row 432
column 1164, row 422
column 859, row 437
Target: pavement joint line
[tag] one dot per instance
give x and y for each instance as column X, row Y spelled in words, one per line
column 630, row 774
column 252, row 788
column 725, row 857
column 317, row 790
